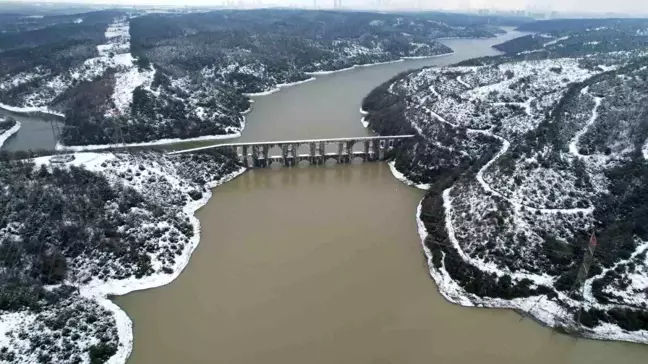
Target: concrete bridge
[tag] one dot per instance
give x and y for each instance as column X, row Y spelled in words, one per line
column 260, row 154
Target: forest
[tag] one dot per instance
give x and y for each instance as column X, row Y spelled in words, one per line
column 64, row 226
column 55, row 43
column 580, row 25
column 140, row 77
column 527, row 155
column 583, row 38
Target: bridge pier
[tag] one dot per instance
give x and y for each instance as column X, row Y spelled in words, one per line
column 245, row 156
column 374, row 148
column 322, row 153
column 255, row 156
column 366, row 150
column 284, row 154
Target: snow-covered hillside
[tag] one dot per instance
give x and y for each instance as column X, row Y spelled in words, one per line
column 144, row 78
column 49, row 83
column 523, row 161
column 8, row 127
column 137, row 231
column 128, row 76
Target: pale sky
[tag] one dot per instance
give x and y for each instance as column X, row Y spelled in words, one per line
column 600, row 6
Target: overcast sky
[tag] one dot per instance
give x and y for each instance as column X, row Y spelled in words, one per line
column 617, row 6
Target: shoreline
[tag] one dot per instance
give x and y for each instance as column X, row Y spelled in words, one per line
column 102, row 291
column 36, row 111
column 402, row 59
column 325, row 73
column 278, row 88
column 9, row 133
column 538, row 308
column 428, row 57
column 91, row 147
column 401, row 177
column 170, row 141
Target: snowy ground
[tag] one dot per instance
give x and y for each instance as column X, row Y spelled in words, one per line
column 30, row 109
column 128, row 76
column 115, row 53
column 165, row 170
column 80, row 148
column 498, row 220
column 6, row 134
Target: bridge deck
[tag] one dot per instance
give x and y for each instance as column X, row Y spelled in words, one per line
column 305, row 141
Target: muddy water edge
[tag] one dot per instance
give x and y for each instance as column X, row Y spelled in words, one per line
column 324, row 264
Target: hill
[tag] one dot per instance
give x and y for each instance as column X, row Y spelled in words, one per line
column 524, row 159
column 141, row 77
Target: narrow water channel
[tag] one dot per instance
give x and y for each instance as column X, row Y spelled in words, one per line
column 324, row 264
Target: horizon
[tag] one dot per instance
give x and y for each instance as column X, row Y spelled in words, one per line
column 485, row 7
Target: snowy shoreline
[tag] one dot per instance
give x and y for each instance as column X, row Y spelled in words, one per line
column 428, row 57
column 101, row 291
column 81, row 148
column 401, row 177
column 278, row 88
column 31, row 110
column 402, row 59
column 8, row 133
column 324, row 73
column 538, row 308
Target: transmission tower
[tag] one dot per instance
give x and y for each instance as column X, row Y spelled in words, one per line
column 118, row 135
column 56, row 133
column 581, row 277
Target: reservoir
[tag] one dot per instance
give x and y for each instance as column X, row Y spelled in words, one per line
column 324, row 264
column 35, row 132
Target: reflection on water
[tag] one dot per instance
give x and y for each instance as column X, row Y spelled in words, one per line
column 324, row 265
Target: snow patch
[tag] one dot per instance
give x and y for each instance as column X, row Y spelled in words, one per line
column 573, row 144
column 99, row 290
column 278, row 88
column 29, row 110
column 401, row 177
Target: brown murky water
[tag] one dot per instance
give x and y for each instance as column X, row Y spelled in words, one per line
column 324, row 265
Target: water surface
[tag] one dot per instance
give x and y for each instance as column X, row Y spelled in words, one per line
column 324, row 265
column 35, row 132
